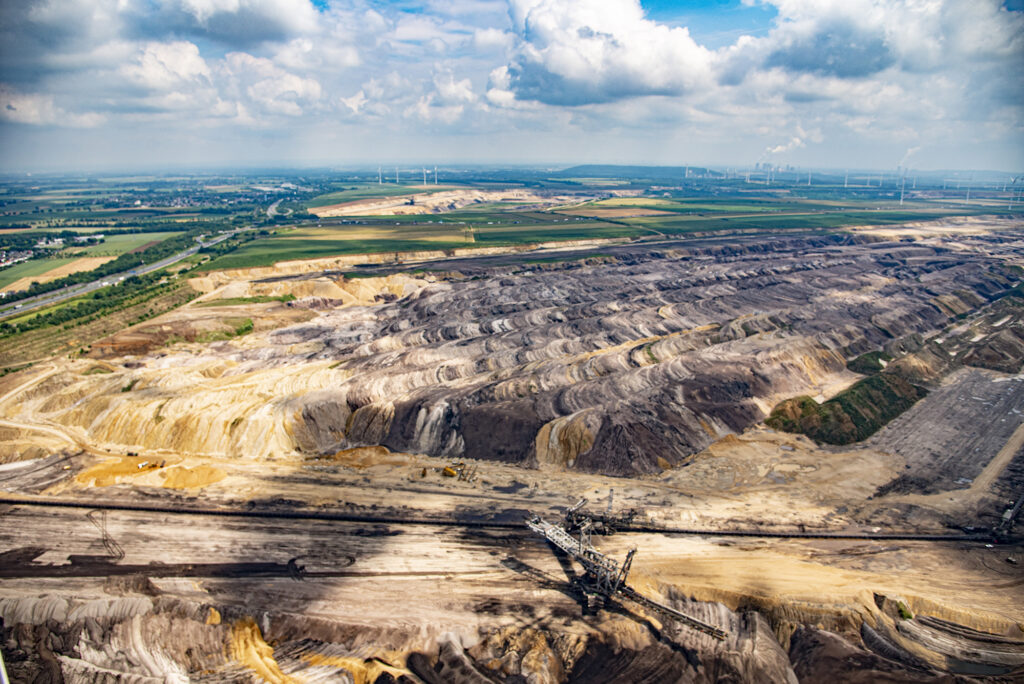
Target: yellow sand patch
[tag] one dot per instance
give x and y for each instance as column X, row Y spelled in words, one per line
column 113, row 470
column 182, row 477
column 365, row 457
column 248, row 648
column 362, row 671
column 83, row 264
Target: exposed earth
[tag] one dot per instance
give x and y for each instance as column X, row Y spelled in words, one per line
column 323, row 425
column 434, row 202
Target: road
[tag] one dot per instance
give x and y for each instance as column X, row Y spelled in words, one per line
column 56, row 296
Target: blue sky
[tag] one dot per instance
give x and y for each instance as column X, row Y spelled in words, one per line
column 822, row 83
column 714, row 23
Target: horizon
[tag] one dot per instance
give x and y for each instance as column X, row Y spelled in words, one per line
column 171, row 170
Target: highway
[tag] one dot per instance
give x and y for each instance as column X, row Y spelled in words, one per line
column 48, row 298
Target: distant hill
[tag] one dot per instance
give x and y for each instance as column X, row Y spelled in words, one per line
column 646, row 172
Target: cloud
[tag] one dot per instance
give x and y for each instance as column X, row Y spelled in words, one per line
column 857, row 38
column 266, row 86
column 839, row 50
column 492, row 39
column 878, row 75
column 41, row 110
column 235, row 23
column 162, row 66
column 575, row 52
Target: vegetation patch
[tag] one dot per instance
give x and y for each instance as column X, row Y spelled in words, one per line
column 14, row 369
column 237, row 301
column 72, row 336
column 851, row 416
column 870, row 363
column 239, row 327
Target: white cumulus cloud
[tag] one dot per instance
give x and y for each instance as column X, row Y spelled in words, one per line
column 572, row 52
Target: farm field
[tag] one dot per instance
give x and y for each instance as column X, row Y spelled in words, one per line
column 29, row 269
column 497, row 229
column 58, row 269
column 312, row 243
column 786, row 221
column 115, row 245
column 372, row 191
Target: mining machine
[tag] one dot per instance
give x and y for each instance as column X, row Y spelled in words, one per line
column 604, row 577
column 604, row 522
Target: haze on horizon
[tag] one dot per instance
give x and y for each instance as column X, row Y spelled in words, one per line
column 107, row 84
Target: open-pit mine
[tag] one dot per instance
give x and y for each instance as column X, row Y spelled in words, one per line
column 322, row 471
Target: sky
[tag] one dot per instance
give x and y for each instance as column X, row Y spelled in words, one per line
column 151, row 84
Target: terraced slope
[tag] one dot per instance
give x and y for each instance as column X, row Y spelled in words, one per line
column 623, row 367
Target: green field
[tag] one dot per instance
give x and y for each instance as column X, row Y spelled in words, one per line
column 236, row 301
column 737, row 205
column 115, row 245
column 319, row 242
column 676, row 225
column 371, row 191
column 30, row 269
column 268, row 251
column 495, row 229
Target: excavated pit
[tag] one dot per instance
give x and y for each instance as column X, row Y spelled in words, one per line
column 648, row 370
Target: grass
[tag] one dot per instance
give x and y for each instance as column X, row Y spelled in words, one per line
column 236, row 301
column 30, row 269
column 268, row 251
column 853, row 415
column 115, row 245
column 870, row 363
column 239, row 328
column 13, row 369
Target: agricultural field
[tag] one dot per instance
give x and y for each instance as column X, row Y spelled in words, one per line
column 371, row 191
column 407, row 236
column 116, row 245
column 782, row 221
column 59, row 268
column 606, row 219
column 40, row 343
column 29, row 269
